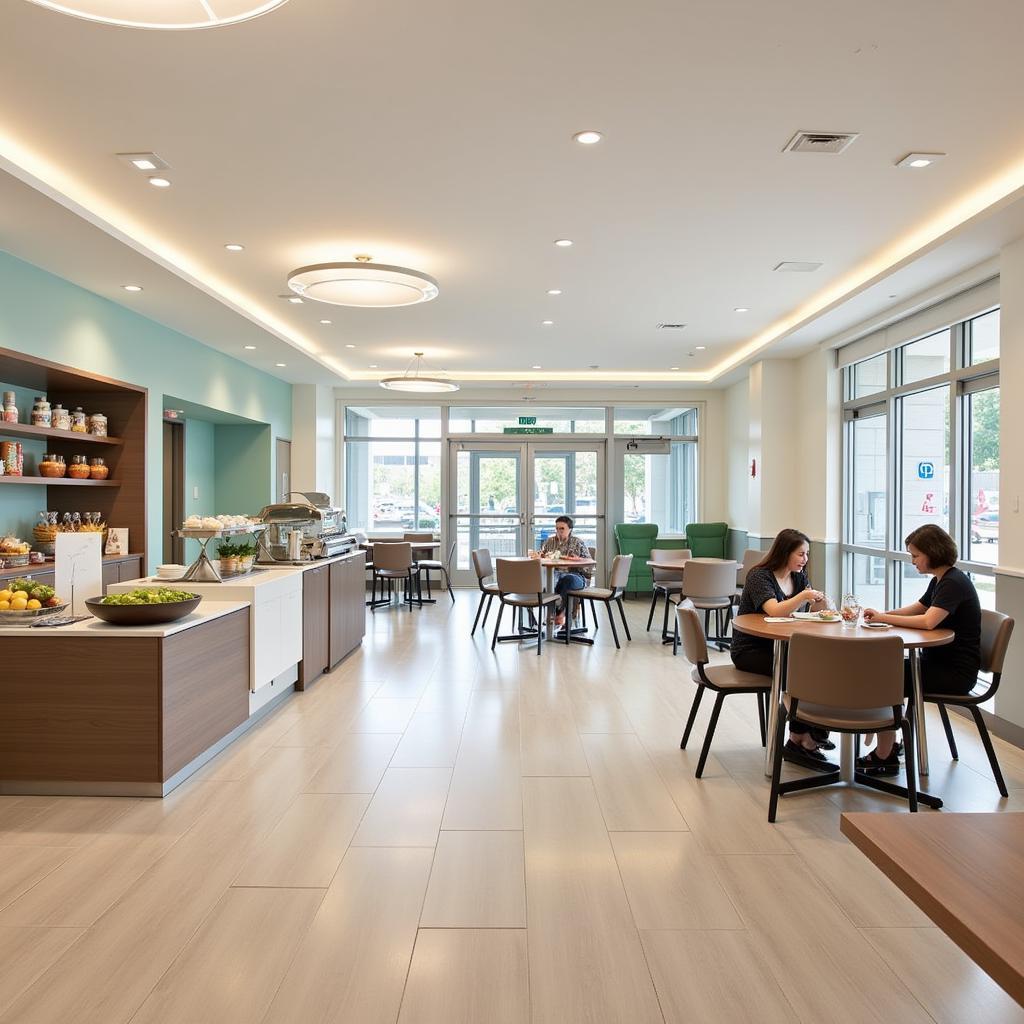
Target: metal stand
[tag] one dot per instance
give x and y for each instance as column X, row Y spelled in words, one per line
column 202, row 570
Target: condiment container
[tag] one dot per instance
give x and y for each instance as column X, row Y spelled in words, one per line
column 10, row 407
column 98, row 469
column 61, row 418
column 41, row 414
column 52, row 465
column 79, row 422
column 13, row 458
column 98, row 424
column 79, row 468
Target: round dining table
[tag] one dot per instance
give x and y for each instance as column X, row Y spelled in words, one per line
column 781, row 632
column 678, row 565
column 568, row 565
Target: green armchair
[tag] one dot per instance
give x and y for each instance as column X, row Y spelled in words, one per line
column 707, row 540
column 637, row 539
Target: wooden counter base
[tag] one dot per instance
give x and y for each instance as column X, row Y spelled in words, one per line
column 119, row 714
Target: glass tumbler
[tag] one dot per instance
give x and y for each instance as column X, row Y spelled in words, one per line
column 850, row 611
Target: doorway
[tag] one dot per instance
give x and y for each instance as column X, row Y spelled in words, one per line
column 173, row 548
column 283, row 456
column 506, row 495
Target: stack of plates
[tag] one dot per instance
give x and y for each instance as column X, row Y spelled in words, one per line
column 170, row 572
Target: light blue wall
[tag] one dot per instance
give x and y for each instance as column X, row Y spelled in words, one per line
column 199, row 473
column 46, row 316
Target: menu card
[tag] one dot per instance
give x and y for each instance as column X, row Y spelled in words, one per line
column 78, row 569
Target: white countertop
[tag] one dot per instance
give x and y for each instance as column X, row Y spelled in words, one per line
column 206, row 612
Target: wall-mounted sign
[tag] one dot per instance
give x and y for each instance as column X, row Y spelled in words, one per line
column 527, row 421
column 529, row 430
column 925, row 470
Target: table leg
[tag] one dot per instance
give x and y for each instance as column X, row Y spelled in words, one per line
column 846, row 758
column 919, row 723
column 550, row 589
column 773, row 705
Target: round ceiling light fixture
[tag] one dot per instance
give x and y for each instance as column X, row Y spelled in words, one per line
column 362, row 283
column 413, row 379
column 168, row 14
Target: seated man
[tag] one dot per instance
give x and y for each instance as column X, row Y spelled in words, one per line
column 568, row 547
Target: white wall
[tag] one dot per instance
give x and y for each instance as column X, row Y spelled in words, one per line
column 313, row 440
column 816, row 433
column 737, row 454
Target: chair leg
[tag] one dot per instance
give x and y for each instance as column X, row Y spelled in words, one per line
column 693, row 716
column 583, row 614
column 429, row 594
column 709, row 735
column 479, row 609
column 595, row 616
column 487, row 610
column 497, row 623
column 780, row 735
column 987, row 740
column 944, row 715
column 568, row 618
column 540, row 624
column 664, row 618
column 761, row 697
column 448, row 584
column 654, row 605
column 622, row 615
column 907, row 729
column 611, row 619
column 675, row 638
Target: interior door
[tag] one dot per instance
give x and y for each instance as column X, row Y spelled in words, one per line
column 487, row 508
column 283, row 451
column 173, row 551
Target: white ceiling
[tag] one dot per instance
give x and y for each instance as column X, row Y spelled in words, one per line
column 439, row 137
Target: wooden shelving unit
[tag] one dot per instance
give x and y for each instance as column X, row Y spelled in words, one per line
column 121, row 498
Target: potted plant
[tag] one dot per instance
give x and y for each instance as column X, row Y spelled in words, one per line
column 228, row 557
column 246, row 553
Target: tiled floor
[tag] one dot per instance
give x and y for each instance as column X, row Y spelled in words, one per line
column 437, row 833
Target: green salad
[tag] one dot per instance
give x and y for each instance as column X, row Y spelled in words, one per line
column 149, row 595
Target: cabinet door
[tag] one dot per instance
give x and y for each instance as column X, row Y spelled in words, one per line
column 315, row 625
column 129, row 569
column 357, row 599
column 339, row 645
column 110, row 574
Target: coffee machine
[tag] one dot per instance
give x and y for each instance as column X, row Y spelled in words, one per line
column 301, row 531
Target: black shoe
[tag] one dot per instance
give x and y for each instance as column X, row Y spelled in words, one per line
column 897, row 749
column 797, row 754
column 872, row 764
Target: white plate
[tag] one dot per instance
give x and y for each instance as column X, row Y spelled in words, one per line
column 779, row 618
column 877, row 625
column 813, row 617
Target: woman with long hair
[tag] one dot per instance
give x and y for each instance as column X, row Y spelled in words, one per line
column 778, row 585
column 951, row 602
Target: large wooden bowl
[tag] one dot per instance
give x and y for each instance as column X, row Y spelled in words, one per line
column 141, row 614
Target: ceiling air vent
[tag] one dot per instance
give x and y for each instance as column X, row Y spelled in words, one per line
column 671, row 327
column 820, row 142
column 796, row 267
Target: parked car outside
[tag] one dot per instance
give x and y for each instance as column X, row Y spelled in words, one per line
column 985, row 527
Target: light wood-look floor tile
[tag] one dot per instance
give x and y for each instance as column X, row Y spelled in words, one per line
column 670, row 882
column 714, row 976
column 25, row 953
column 430, row 741
column 477, row 881
column 68, row 822
column 486, row 789
column 384, row 714
column 465, row 976
column 586, row 961
column 307, row 844
column 22, row 867
column 406, row 809
column 356, row 765
column 353, row 962
column 551, row 746
column 229, row 971
column 88, row 883
column 950, row 986
column 828, row 972
column 629, row 790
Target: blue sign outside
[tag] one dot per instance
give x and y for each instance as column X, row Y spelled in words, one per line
column 925, row 470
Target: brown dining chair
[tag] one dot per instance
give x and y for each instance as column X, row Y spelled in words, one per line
column 665, row 582
column 521, row 585
column 393, row 562
column 429, row 565
column 484, row 569
column 751, row 557
column 618, row 577
column 996, row 630
column 709, row 585
column 844, row 685
column 722, row 680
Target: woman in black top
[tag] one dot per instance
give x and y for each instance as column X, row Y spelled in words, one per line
column 951, row 602
column 778, row 585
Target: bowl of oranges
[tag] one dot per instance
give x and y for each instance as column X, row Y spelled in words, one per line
column 23, row 600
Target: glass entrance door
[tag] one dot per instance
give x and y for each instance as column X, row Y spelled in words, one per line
column 506, row 495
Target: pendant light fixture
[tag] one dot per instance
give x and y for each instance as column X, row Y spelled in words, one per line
column 413, row 379
column 362, row 283
column 168, row 14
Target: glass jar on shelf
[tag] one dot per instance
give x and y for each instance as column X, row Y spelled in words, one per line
column 10, row 407
column 79, row 468
column 98, row 469
column 79, row 421
column 98, row 424
column 52, row 465
column 42, row 415
column 60, row 418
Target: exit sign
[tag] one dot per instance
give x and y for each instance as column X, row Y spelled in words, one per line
column 527, row 421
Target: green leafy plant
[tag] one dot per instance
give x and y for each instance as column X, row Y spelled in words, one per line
column 228, row 550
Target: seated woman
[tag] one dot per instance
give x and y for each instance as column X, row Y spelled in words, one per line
column 778, row 585
column 950, row 602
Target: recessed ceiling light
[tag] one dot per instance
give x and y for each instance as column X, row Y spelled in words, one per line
column 159, row 182
column 673, row 367
column 325, row 322
column 249, row 348
column 350, row 346
column 563, row 242
column 363, row 284
column 588, row 138
column 701, row 348
column 234, row 247
column 169, row 14
column 373, row 366
column 295, row 300
column 919, row 160
column 132, row 287
column 145, row 164
column 537, row 366
column 547, row 323
column 144, row 161
column 279, row 364
column 741, row 309
column 554, row 291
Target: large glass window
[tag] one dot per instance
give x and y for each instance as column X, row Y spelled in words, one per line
column 924, row 454
column 926, row 358
column 673, row 421
column 983, row 498
column 661, row 489
column 866, row 517
column 869, row 376
column 983, row 337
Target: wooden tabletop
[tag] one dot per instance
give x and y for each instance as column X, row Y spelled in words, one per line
column 680, row 563
column 572, row 563
column 965, row 871
column 755, row 625
column 417, row 545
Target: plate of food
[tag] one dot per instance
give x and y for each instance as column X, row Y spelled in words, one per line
column 22, row 601
column 828, row 615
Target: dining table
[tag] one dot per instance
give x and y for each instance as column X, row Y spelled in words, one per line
column 780, row 633
column 677, row 565
column 566, row 564
column 425, row 548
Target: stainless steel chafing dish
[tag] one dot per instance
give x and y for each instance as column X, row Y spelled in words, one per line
column 303, row 530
